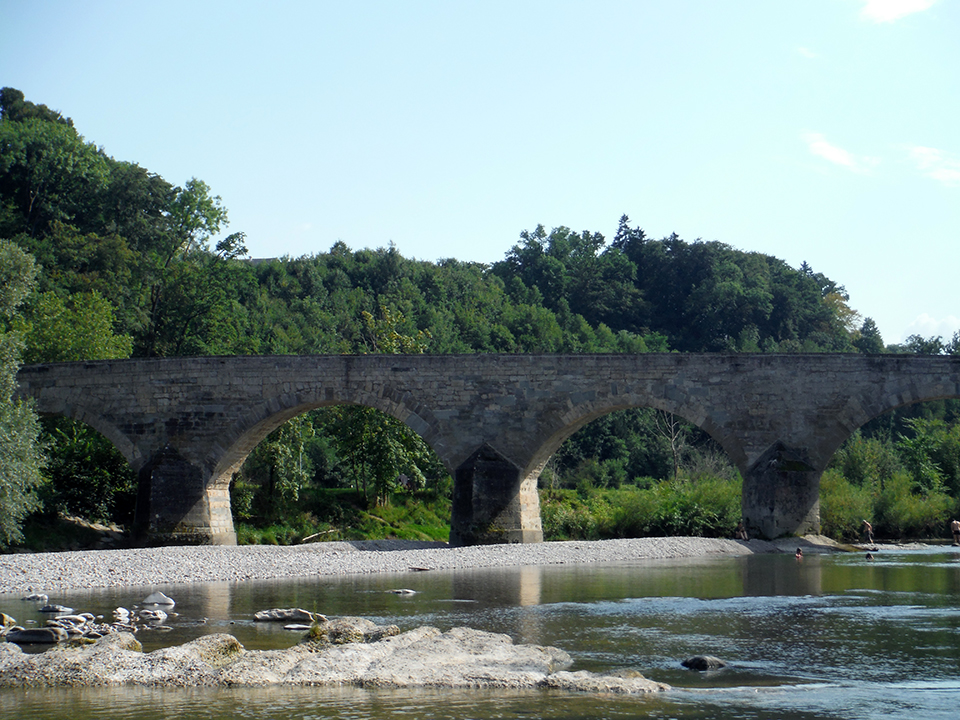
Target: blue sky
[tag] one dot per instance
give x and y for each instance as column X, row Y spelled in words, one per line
column 825, row 131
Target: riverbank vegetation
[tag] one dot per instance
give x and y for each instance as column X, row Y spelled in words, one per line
column 131, row 265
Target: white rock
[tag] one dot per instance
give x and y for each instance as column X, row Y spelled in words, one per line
column 158, row 598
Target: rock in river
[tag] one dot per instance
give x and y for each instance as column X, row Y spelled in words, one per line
column 285, row 615
column 158, row 598
column 384, row 657
column 703, row 663
column 41, row 636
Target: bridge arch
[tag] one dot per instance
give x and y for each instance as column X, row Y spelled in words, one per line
column 565, row 424
column 240, row 438
column 92, row 416
column 864, row 407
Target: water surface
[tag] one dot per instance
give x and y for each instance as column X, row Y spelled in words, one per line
column 833, row 636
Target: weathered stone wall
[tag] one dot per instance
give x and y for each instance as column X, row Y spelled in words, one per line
column 779, row 417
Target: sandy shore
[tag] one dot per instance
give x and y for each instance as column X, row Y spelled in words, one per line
column 49, row 572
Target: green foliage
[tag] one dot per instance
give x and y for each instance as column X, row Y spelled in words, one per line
column 47, row 173
column 87, row 475
column 708, row 506
column 350, row 517
column 275, row 473
column 917, row 450
column 79, row 328
column 21, row 458
column 907, row 488
column 700, row 296
column 866, row 461
column 844, row 505
column 902, row 513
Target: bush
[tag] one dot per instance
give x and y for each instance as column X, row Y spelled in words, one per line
column 843, row 506
column 865, row 461
column 707, row 507
column 902, row 513
column 565, row 516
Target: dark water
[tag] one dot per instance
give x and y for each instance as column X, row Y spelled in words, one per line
column 831, row 637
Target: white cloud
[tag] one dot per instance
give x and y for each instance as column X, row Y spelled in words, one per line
column 936, row 164
column 838, row 156
column 883, row 11
column 927, row 326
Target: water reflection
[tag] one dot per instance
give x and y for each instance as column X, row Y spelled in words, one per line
column 779, row 578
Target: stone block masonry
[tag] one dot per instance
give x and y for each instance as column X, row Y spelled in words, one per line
column 186, row 424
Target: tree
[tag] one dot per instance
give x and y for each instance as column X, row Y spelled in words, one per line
column 920, row 345
column 21, row 457
column 280, row 468
column 869, row 340
column 917, row 450
column 14, row 107
column 80, row 328
column 380, row 448
column 674, row 431
column 47, row 173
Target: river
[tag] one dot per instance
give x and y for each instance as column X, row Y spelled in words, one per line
column 831, row 636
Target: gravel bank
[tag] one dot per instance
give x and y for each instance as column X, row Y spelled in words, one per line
column 47, row 572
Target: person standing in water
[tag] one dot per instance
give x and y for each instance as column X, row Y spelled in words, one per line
column 868, row 531
column 955, row 529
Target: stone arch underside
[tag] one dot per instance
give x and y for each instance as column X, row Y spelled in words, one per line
column 865, row 406
column 91, row 416
column 558, row 426
column 232, row 446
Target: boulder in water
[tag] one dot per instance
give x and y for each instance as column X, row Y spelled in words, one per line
column 287, row 615
column 56, row 609
column 702, row 663
column 158, row 598
column 38, row 636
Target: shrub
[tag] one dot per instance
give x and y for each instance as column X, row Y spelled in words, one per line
column 843, row 506
column 902, row 513
column 706, row 507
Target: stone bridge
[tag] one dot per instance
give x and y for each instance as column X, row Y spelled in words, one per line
column 186, row 424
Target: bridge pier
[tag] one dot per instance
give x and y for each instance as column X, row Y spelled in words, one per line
column 493, row 502
column 781, row 494
column 177, row 506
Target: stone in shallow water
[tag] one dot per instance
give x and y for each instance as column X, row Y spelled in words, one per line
column 56, row 609
column 286, row 615
column 41, row 636
column 153, row 616
column 703, row 663
column 158, row 598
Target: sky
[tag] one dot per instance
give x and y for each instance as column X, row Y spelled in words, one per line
column 817, row 131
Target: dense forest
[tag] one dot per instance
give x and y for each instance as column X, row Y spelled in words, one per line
column 102, row 258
